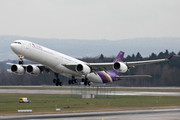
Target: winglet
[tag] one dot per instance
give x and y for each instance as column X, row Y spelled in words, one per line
column 170, row 57
column 8, row 61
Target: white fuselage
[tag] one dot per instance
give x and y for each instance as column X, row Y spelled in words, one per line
column 50, row 59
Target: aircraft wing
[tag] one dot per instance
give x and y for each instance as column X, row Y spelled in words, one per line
column 94, row 66
column 24, row 65
column 100, row 66
column 136, row 63
column 42, row 67
column 109, row 66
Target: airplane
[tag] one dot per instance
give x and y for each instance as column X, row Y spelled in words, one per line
column 58, row 63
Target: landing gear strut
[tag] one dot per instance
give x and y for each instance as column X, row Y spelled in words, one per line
column 57, row 80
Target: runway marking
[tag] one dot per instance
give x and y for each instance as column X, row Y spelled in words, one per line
column 107, row 117
column 109, row 114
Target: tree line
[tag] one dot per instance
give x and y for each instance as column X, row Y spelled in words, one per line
column 163, row 74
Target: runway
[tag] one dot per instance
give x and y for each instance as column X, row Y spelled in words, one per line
column 137, row 93
column 151, row 114
column 155, row 114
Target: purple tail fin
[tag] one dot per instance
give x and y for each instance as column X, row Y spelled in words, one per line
column 8, row 61
column 119, row 57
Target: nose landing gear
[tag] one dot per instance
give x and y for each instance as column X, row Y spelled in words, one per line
column 21, row 62
column 21, row 59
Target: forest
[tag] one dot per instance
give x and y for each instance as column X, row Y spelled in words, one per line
column 163, row 74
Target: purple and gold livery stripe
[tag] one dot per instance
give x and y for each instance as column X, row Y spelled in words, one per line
column 107, row 77
column 104, row 76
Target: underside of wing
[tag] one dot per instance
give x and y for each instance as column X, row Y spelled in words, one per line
column 93, row 66
column 101, row 66
column 70, row 66
column 109, row 66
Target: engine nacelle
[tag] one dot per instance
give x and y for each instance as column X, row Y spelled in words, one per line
column 33, row 70
column 120, row 67
column 17, row 69
column 84, row 69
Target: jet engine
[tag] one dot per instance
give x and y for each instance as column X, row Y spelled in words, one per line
column 84, row 69
column 33, row 70
column 120, row 67
column 17, row 69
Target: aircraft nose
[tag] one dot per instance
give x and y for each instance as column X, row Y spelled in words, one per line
column 12, row 46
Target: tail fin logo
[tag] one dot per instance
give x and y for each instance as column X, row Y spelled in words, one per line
column 119, row 57
column 118, row 60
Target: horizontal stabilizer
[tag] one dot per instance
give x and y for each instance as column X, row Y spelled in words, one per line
column 9, row 70
column 176, row 55
column 133, row 76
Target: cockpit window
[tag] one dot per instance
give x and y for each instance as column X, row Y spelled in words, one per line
column 17, row 42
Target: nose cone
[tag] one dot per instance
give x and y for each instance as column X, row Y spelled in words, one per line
column 15, row 48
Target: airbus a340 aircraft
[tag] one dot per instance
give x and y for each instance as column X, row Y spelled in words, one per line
column 49, row 60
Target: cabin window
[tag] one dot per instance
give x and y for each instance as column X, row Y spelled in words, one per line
column 18, row 42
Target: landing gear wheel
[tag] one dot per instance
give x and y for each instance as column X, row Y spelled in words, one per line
column 60, row 83
column 72, row 81
column 57, row 80
column 21, row 62
column 85, row 83
column 75, row 81
column 89, row 83
column 82, row 80
column 54, row 80
column 69, row 81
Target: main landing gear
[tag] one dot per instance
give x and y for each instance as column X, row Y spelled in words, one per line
column 73, row 80
column 86, row 82
column 57, row 80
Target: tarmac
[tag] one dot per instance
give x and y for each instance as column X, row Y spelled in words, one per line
column 150, row 114
column 154, row 114
column 136, row 93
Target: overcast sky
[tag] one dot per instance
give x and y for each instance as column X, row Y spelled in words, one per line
column 90, row 19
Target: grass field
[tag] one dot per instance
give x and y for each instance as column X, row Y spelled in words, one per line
column 48, row 103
